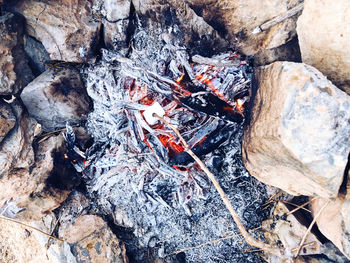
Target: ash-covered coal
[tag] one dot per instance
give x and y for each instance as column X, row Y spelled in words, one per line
column 137, row 171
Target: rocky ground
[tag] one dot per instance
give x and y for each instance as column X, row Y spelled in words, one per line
column 293, row 148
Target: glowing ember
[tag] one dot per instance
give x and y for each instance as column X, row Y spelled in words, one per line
column 239, row 105
column 178, row 80
column 168, row 141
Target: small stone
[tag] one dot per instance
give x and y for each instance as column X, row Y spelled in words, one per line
column 298, row 136
column 324, row 39
column 93, row 240
column 55, row 98
column 87, row 223
column 117, row 10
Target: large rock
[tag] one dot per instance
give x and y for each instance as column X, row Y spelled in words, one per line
column 36, row 182
column 14, row 71
column 334, row 221
column 324, row 37
column 50, row 180
column 17, row 156
column 236, row 20
column 20, row 244
column 93, row 241
column 298, row 136
column 66, row 28
column 55, row 98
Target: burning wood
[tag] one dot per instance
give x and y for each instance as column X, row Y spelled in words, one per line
column 203, row 107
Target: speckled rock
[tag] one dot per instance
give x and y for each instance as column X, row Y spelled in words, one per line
column 55, row 98
column 66, row 28
column 93, row 241
column 298, row 136
column 14, row 71
column 324, row 39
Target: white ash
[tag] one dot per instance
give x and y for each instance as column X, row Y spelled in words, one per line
column 133, row 182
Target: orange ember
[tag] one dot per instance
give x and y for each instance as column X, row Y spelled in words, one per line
column 147, row 101
column 147, row 143
column 178, row 80
column 206, row 81
column 182, row 169
column 168, row 141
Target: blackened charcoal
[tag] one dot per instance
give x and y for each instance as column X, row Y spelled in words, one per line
column 213, row 141
column 213, row 106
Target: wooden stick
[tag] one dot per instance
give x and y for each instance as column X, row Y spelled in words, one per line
column 249, row 239
column 31, row 227
column 309, row 228
column 278, row 19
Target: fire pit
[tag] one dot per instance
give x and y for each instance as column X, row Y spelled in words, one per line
column 137, row 171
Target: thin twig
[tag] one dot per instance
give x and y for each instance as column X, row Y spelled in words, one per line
column 272, row 197
column 249, row 239
column 289, row 203
column 31, row 227
column 309, row 228
column 299, row 207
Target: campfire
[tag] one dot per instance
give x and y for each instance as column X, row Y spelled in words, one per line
column 173, row 131
column 136, row 160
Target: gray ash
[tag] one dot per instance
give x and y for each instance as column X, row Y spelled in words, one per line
column 137, row 172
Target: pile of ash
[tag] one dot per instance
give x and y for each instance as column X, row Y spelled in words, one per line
column 137, row 172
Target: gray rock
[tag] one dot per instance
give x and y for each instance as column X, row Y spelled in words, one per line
column 298, row 137
column 14, row 71
column 55, row 98
column 37, row 55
